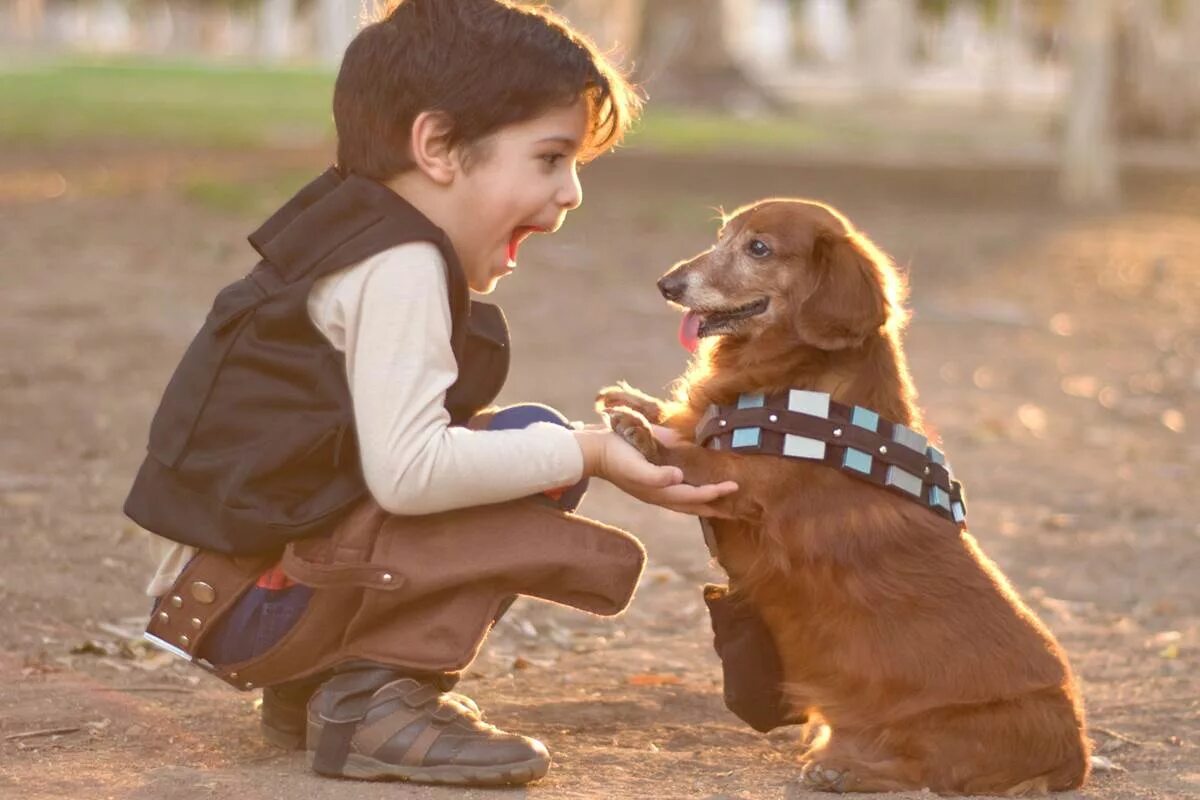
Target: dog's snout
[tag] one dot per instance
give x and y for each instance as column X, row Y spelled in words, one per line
column 672, row 286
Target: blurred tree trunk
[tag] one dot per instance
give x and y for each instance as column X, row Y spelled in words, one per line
column 685, row 58
column 336, row 24
column 1089, row 168
column 28, row 20
column 274, row 35
column 1191, row 46
column 1009, row 54
column 1158, row 90
column 886, row 34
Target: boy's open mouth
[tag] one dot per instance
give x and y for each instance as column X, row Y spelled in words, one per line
column 514, row 242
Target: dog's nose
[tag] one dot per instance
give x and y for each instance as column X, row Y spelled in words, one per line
column 672, row 286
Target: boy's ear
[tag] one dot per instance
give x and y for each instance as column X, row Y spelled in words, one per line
column 430, row 146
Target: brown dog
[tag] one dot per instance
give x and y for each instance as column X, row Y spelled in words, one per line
column 893, row 628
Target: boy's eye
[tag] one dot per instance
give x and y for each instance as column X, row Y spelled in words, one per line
column 758, row 248
column 552, row 159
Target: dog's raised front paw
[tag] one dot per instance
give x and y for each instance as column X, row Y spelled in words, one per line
column 633, row 428
column 625, row 396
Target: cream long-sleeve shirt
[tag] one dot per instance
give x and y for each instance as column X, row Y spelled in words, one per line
column 390, row 315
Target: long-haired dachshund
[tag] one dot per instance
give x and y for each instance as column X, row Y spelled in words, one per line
column 893, row 628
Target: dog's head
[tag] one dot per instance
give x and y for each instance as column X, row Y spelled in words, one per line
column 788, row 267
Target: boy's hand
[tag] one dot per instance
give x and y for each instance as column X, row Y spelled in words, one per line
column 606, row 455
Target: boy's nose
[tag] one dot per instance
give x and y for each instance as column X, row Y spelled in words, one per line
column 571, row 194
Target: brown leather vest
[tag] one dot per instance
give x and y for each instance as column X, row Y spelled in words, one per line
column 253, row 445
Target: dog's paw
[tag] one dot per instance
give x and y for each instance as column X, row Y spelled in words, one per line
column 817, row 778
column 625, row 396
column 635, row 429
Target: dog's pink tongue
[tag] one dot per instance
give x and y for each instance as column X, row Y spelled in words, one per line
column 689, row 331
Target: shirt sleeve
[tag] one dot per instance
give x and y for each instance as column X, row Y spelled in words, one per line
column 390, row 315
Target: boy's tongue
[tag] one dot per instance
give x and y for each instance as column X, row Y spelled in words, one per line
column 689, row 331
column 514, row 242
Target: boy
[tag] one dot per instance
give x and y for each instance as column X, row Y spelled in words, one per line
column 345, row 519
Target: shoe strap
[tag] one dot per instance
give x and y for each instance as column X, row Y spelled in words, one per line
column 333, row 747
column 373, row 735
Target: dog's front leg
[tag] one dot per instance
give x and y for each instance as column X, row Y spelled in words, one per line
column 699, row 466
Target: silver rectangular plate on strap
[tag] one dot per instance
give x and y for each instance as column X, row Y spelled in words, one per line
column 904, row 480
column 803, row 447
column 815, row 404
column 747, row 437
column 909, row 438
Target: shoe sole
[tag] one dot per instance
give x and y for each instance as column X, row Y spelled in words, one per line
column 365, row 768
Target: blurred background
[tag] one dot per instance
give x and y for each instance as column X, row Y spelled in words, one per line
column 1082, row 84
column 1032, row 165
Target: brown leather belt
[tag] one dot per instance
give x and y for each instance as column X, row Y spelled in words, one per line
column 206, row 589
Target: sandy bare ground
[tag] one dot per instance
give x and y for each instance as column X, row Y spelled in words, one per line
column 1058, row 356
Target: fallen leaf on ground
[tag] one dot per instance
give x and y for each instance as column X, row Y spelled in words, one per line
column 1105, row 764
column 653, row 679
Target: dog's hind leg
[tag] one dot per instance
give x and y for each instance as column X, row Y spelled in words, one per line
column 841, row 765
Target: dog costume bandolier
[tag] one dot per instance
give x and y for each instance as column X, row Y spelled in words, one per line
column 808, row 426
column 253, row 458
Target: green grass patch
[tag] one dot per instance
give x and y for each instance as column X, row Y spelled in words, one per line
column 251, row 198
column 140, row 102
column 174, row 104
column 700, row 132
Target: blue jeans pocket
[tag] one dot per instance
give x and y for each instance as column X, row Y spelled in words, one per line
column 255, row 624
column 278, row 615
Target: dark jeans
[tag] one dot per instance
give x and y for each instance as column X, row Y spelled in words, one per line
column 262, row 616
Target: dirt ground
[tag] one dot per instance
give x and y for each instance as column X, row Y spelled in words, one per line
column 1057, row 355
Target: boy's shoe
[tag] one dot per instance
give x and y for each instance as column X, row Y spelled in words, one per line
column 285, row 711
column 409, row 730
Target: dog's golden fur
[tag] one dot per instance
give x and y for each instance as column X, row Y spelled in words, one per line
column 894, row 629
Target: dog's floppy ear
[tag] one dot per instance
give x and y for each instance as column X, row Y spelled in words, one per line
column 847, row 303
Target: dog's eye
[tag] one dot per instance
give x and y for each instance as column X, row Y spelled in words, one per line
column 758, row 248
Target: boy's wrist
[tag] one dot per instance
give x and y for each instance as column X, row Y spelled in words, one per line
column 591, row 444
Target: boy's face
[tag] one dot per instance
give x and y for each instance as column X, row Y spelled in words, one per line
column 520, row 180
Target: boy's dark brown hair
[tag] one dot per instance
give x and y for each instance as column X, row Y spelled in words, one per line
column 484, row 64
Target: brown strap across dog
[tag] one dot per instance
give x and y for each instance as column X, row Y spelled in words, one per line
column 811, row 426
